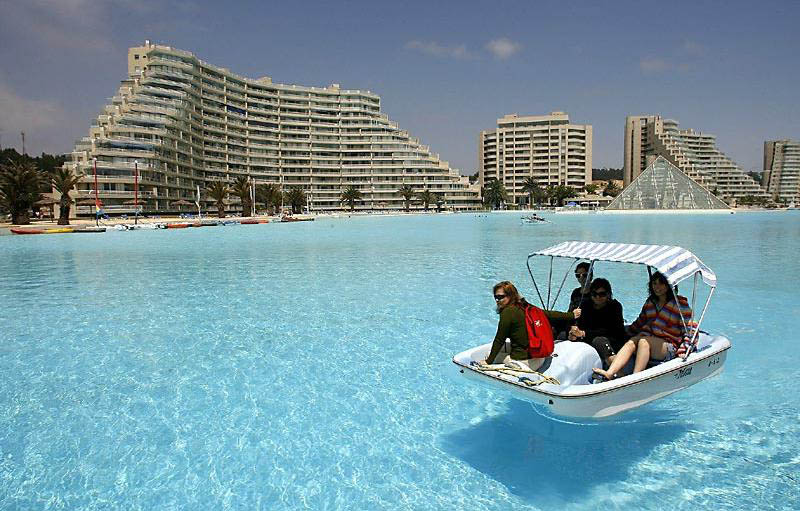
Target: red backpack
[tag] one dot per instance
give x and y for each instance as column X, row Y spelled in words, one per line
column 540, row 334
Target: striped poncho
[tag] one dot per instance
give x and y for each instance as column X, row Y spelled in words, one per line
column 666, row 322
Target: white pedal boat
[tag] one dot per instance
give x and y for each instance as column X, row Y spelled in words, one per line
column 563, row 384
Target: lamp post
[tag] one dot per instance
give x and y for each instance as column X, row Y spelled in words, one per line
column 96, row 197
column 197, row 202
column 253, row 196
column 136, row 192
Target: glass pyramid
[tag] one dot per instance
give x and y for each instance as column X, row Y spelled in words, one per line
column 662, row 185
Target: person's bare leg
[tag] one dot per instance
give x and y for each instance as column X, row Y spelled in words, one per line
column 642, row 354
column 620, row 359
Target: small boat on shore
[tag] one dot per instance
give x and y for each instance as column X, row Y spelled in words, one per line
column 295, row 219
column 178, row 226
column 89, row 228
column 58, row 230
column 26, row 231
column 564, row 385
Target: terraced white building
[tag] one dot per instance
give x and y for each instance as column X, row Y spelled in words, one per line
column 545, row 147
column 696, row 154
column 185, row 123
column 781, row 175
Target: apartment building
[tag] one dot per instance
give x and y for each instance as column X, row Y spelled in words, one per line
column 177, row 123
column 696, row 154
column 546, row 148
column 781, row 176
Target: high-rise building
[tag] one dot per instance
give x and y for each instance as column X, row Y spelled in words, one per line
column 696, row 154
column 781, row 175
column 185, row 123
column 546, row 148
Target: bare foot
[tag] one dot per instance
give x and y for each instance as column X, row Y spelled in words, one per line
column 604, row 374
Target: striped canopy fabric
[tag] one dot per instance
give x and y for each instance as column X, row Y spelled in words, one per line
column 675, row 263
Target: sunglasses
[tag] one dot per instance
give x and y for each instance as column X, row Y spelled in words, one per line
column 580, row 275
column 600, row 294
column 497, row 298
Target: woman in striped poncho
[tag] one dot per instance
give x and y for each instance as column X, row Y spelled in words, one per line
column 658, row 331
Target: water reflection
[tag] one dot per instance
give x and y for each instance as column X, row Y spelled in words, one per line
column 553, row 462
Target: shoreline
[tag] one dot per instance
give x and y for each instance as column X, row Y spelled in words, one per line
column 86, row 222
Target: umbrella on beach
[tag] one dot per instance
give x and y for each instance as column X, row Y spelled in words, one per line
column 182, row 202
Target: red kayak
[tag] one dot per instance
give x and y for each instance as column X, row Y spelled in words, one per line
column 27, row 231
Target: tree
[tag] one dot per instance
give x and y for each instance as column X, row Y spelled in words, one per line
column 20, row 185
column 535, row 192
column 218, row 191
column 64, row 181
column 494, row 194
column 562, row 192
column 296, row 198
column 550, row 194
column 241, row 189
column 611, row 189
column 407, row 192
column 439, row 200
column 426, row 197
column 351, row 195
column 591, row 188
column 270, row 195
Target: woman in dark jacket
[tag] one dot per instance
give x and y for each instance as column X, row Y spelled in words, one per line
column 600, row 323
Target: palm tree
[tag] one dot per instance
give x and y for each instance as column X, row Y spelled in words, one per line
column 426, row 197
column 20, row 185
column 350, row 196
column 439, row 200
column 270, row 195
column 535, row 192
column 561, row 193
column 407, row 191
column 64, row 181
column 494, row 193
column 611, row 189
column 550, row 194
column 296, row 197
column 591, row 188
column 241, row 189
column 218, row 191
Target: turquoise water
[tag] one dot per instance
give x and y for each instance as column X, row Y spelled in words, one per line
column 307, row 366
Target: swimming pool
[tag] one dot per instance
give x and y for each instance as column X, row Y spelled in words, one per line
column 308, row 366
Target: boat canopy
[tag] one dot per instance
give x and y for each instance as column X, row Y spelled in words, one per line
column 675, row 263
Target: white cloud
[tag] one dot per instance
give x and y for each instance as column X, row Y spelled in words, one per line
column 22, row 114
column 72, row 24
column 694, row 48
column 439, row 50
column 654, row 65
column 503, row 47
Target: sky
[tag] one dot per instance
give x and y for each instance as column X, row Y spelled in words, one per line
column 444, row 70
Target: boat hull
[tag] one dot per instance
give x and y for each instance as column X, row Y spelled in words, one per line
column 27, row 231
column 608, row 398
